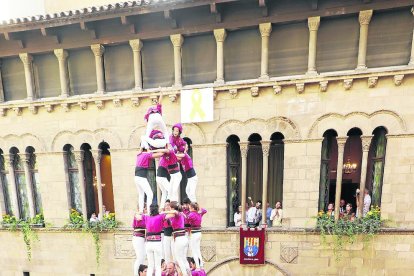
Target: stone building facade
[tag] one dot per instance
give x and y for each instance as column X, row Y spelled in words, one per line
column 79, row 83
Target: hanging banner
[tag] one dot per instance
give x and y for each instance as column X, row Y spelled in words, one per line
column 197, row 105
column 252, row 243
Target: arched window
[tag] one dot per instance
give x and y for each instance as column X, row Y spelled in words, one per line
column 34, row 179
column 89, row 171
column 376, row 160
column 233, row 177
column 21, row 188
column 329, row 158
column 106, row 178
column 183, row 183
column 73, row 178
column 255, row 168
column 4, row 189
column 275, row 172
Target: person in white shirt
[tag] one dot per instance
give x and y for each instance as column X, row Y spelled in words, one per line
column 93, row 218
column 237, row 217
column 367, row 203
column 277, row 215
column 251, row 214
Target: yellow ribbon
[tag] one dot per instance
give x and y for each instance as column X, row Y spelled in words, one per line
column 196, row 100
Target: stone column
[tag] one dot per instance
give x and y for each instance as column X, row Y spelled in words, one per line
column 265, row 149
column 29, row 186
column 411, row 63
column 97, row 156
column 3, row 207
column 177, row 41
column 98, row 51
column 12, row 185
column 63, row 71
column 341, row 146
column 364, row 19
column 366, row 142
column 79, row 155
column 265, row 30
column 243, row 150
column 1, row 85
column 67, row 180
column 136, row 45
column 220, row 35
column 313, row 25
column 28, row 73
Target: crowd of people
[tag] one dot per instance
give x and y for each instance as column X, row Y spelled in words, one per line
column 254, row 214
column 163, row 234
column 347, row 211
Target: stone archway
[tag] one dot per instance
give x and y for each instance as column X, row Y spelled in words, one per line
column 231, row 266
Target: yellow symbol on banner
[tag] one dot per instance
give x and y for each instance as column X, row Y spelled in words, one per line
column 196, row 100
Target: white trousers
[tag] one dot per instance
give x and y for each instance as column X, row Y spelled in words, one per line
column 154, row 256
column 180, row 254
column 139, row 246
column 156, row 143
column 191, row 188
column 143, row 188
column 155, row 121
column 164, row 186
column 167, row 248
column 174, row 186
column 195, row 242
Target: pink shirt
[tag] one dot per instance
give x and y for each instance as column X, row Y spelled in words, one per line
column 195, row 218
column 143, row 160
column 153, row 109
column 168, row 159
column 177, row 222
column 198, row 272
column 138, row 223
column 154, row 224
column 187, row 162
column 177, row 143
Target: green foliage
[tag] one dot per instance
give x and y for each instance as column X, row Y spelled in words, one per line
column 108, row 223
column 345, row 231
column 26, row 227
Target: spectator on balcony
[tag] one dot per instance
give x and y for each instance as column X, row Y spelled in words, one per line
column 268, row 214
column 277, row 215
column 367, row 203
column 331, row 210
column 348, row 214
column 342, row 206
column 237, row 217
column 251, row 214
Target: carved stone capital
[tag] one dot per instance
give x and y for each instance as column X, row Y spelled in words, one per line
column 136, row 45
column 26, row 58
column 244, row 148
column 3, row 112
column 341, row 144
column 300, row 88
column 117, row 102
column 33, row 109
column 83, row 105
column 214, row 94
column 98, row 50
column 366, row 142
column 79, row 155
column 135, row 101
column 265, row 29
column 265, row 148
column 348, row 83
column 99, row 104
column 49, row 108
column 97, row 155
column 17, row 110
column 313, row 23
column 25, row 157
column 177, row 40
column 61, row 54
column 323, row 86
column 65, row 107
column 372, row 82
column 277, row 89
column 365, row 17
column 233, row 92
column 254, row 91
column 220, row 35
column 398, row 79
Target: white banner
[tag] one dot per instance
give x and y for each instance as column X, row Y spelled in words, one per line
column 197, row 105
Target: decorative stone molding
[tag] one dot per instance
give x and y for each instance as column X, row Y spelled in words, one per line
column 366, row 142
column 341, row 141
column 83, row 105
column 26, row 58
column 49, row 108
column 300, row 88
column 277, row 89
column 17, row 111
column 323, row 86
column 61, row 54
column 233, row 93
column 372, row 82
column 265, row 148
column 65, row 107
column 265, row 29
column 313, row 23
column 3, row 112
column 244, row 148
column 135, row 101
column 177, row 40
column 136, row 45
column 398, row 79
column 97, row 49
column 254, row 91
column 348, row 83
column 100, row 105
column 79, row 155
column 123, row 248
column 289, row 253
column 365, row 17
column 172, row 97
column 33, row 109
column 220, row 35
column 208, row 253
column 117, row 102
